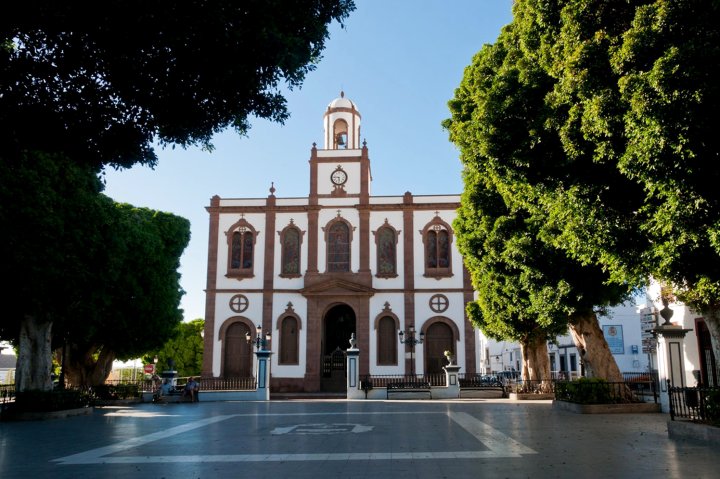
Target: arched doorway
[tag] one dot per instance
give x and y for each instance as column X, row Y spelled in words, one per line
column 438, row 339
column 237, row 357
column 338, row 325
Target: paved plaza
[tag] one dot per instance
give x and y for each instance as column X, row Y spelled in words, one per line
column 350, row 439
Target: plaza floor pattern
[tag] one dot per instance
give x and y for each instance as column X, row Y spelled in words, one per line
column 279, row 439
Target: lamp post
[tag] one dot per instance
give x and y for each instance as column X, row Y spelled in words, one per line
column 259, row 341
column 409, row 339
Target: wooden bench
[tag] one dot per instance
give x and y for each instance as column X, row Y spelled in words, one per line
column 175, row 395
column 409, row 387
column 483, row 386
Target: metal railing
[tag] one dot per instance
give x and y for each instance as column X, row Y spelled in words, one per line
column 7, row 395
column 698, row 404
column 227, row 384
column 597, row 392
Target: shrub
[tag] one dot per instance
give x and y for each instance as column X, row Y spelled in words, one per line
column 585, row 391
column 47, row 401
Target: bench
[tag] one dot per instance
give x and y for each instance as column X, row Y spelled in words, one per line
column 409, row 387
column 175, row 395
column 483, row 386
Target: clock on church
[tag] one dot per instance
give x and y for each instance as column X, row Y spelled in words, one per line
column 338, row 177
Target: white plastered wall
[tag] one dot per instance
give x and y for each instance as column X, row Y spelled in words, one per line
column 420, row 220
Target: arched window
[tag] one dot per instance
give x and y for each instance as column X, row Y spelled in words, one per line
column 340, row 135
column 338, row 238
column 290, row 241
column 437, row 236
column 241, row 246
column 386, row 238
column 386, row 342
column 289, row 341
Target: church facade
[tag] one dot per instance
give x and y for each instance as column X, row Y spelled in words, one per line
column 312, row 271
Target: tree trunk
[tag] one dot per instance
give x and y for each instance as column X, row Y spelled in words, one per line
column 83, row 369
column 593, row 348
column 712, row 321
column 34, row 363
column 536, row 363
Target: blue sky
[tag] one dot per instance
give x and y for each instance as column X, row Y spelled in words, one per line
column 398, row 60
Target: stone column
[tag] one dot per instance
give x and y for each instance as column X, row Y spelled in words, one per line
column 263, row 374
column 452, row 390
column 670, row 356
column 353, row 371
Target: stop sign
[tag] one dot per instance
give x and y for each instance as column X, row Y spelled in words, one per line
column 149, row 368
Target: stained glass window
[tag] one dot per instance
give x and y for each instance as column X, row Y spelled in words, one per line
column 291, row 252
column 241, row 244
column 386, row 252
column 437, row 236
column 338, row 248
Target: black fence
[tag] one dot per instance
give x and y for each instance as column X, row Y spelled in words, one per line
column 598, row 392
column 228, row 384
column 7, row 395
column 697, row 404
column 382, row 381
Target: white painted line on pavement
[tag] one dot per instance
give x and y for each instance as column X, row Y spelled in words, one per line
column 499, row 445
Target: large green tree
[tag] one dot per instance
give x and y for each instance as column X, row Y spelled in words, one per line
column 499, row 124
column 135, row 305
column 100, row 86
column 635, row 100
column 103, row 83
column 184, row 349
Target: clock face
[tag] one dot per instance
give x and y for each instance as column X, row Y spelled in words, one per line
column 338, row 177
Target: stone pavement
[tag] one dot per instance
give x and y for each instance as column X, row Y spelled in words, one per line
column 350, row 439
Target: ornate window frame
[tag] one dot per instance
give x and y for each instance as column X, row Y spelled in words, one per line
column 288, row 313
column 378, row 237
column 386, row 313
column 326, row 229
column 429, row 234
column 301, row 234
column 241, row 227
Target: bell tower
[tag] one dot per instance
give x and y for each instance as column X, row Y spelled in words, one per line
column 342, row 167
column 342, row 125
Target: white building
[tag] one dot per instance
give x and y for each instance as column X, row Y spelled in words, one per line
column 312, row 271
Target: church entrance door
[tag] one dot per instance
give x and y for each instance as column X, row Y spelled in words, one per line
column 438, row 339
column 338, row 325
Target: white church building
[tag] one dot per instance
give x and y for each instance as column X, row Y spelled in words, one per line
column 312, row 271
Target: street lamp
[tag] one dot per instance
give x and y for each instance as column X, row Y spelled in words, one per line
column 258, row 341
column 411, row 341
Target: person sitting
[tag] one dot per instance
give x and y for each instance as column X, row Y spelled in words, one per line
column 166, row 387
column 191, row 389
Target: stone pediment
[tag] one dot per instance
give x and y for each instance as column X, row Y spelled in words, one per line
column 337, row 287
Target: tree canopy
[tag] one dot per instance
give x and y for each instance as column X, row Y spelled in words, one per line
column 135, row 306
column 103, row 83
column 510, row 159
column 184, row 349
column 599, row 122
column 82, row 88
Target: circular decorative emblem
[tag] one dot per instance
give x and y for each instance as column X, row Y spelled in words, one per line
column 439, row 303
column 338, row 177
column 239, row 303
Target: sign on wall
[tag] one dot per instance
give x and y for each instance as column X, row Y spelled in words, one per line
column 614, row 337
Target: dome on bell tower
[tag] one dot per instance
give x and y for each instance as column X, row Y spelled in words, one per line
column 342, row 124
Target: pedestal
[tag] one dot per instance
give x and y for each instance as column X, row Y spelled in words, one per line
column 263, row 374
